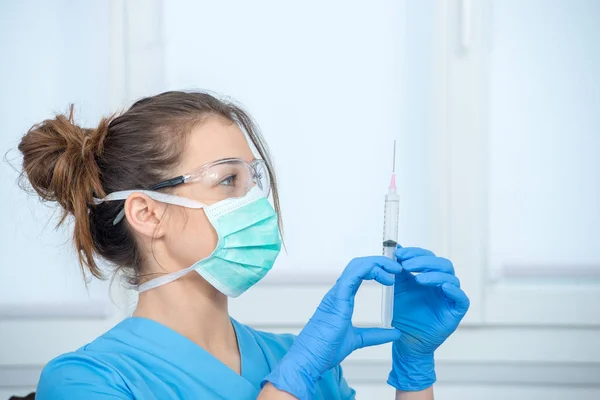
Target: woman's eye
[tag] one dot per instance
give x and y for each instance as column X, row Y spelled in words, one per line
column 229, row 181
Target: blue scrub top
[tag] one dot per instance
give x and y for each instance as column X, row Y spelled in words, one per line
column 143, row 359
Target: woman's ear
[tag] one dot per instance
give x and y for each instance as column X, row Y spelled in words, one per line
column 145, row 214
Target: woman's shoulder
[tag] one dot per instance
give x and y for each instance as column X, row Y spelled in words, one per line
column 89, row 369
column 80, row 373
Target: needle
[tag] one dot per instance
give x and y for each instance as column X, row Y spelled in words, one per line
column 394, row 164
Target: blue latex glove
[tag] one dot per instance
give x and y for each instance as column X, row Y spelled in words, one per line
column 329, row 336
column 427, row 308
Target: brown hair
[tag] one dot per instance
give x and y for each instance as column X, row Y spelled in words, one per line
column 71, row 165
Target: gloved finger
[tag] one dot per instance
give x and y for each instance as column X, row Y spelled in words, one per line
column 404, row 281
column 458, row 296
column 428, row 264
column 360, row 269
column 436, row 279
column 376, row 336
column 406, row 253
column 379, row 275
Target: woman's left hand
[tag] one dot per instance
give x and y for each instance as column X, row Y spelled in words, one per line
column 427, row 309
column 329, row 336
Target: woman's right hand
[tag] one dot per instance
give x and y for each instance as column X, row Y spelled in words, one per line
column 329, row 337
column 428, row 308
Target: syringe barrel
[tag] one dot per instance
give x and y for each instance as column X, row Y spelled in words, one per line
column 390, row 237
column 390, row 217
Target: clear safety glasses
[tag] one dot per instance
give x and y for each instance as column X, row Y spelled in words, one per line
column 223, row 179
column 211, row 183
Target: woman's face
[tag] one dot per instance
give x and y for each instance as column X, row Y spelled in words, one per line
column 188, row 236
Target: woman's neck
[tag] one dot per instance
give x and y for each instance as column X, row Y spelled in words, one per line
column 193, row 308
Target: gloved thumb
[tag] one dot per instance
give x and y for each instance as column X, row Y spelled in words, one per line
column 376, row 336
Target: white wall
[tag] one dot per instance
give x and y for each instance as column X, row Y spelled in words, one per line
column 332, row 84
column 46, row 66
column 544, row 101
column 544, row 221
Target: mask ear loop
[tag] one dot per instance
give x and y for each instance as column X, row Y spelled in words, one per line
column 158, row 196
column 163, row 280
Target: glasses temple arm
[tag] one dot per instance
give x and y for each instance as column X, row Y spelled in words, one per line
column 170, row 182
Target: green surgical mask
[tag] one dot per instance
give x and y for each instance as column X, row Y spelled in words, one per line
column 248, row 241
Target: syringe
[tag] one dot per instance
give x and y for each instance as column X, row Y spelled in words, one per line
column 390, row 239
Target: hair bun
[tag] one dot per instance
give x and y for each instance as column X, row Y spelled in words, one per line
column 59, row 161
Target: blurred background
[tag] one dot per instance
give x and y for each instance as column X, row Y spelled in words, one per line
column 494, row 104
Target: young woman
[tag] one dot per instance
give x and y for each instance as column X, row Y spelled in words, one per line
column 171, row 193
